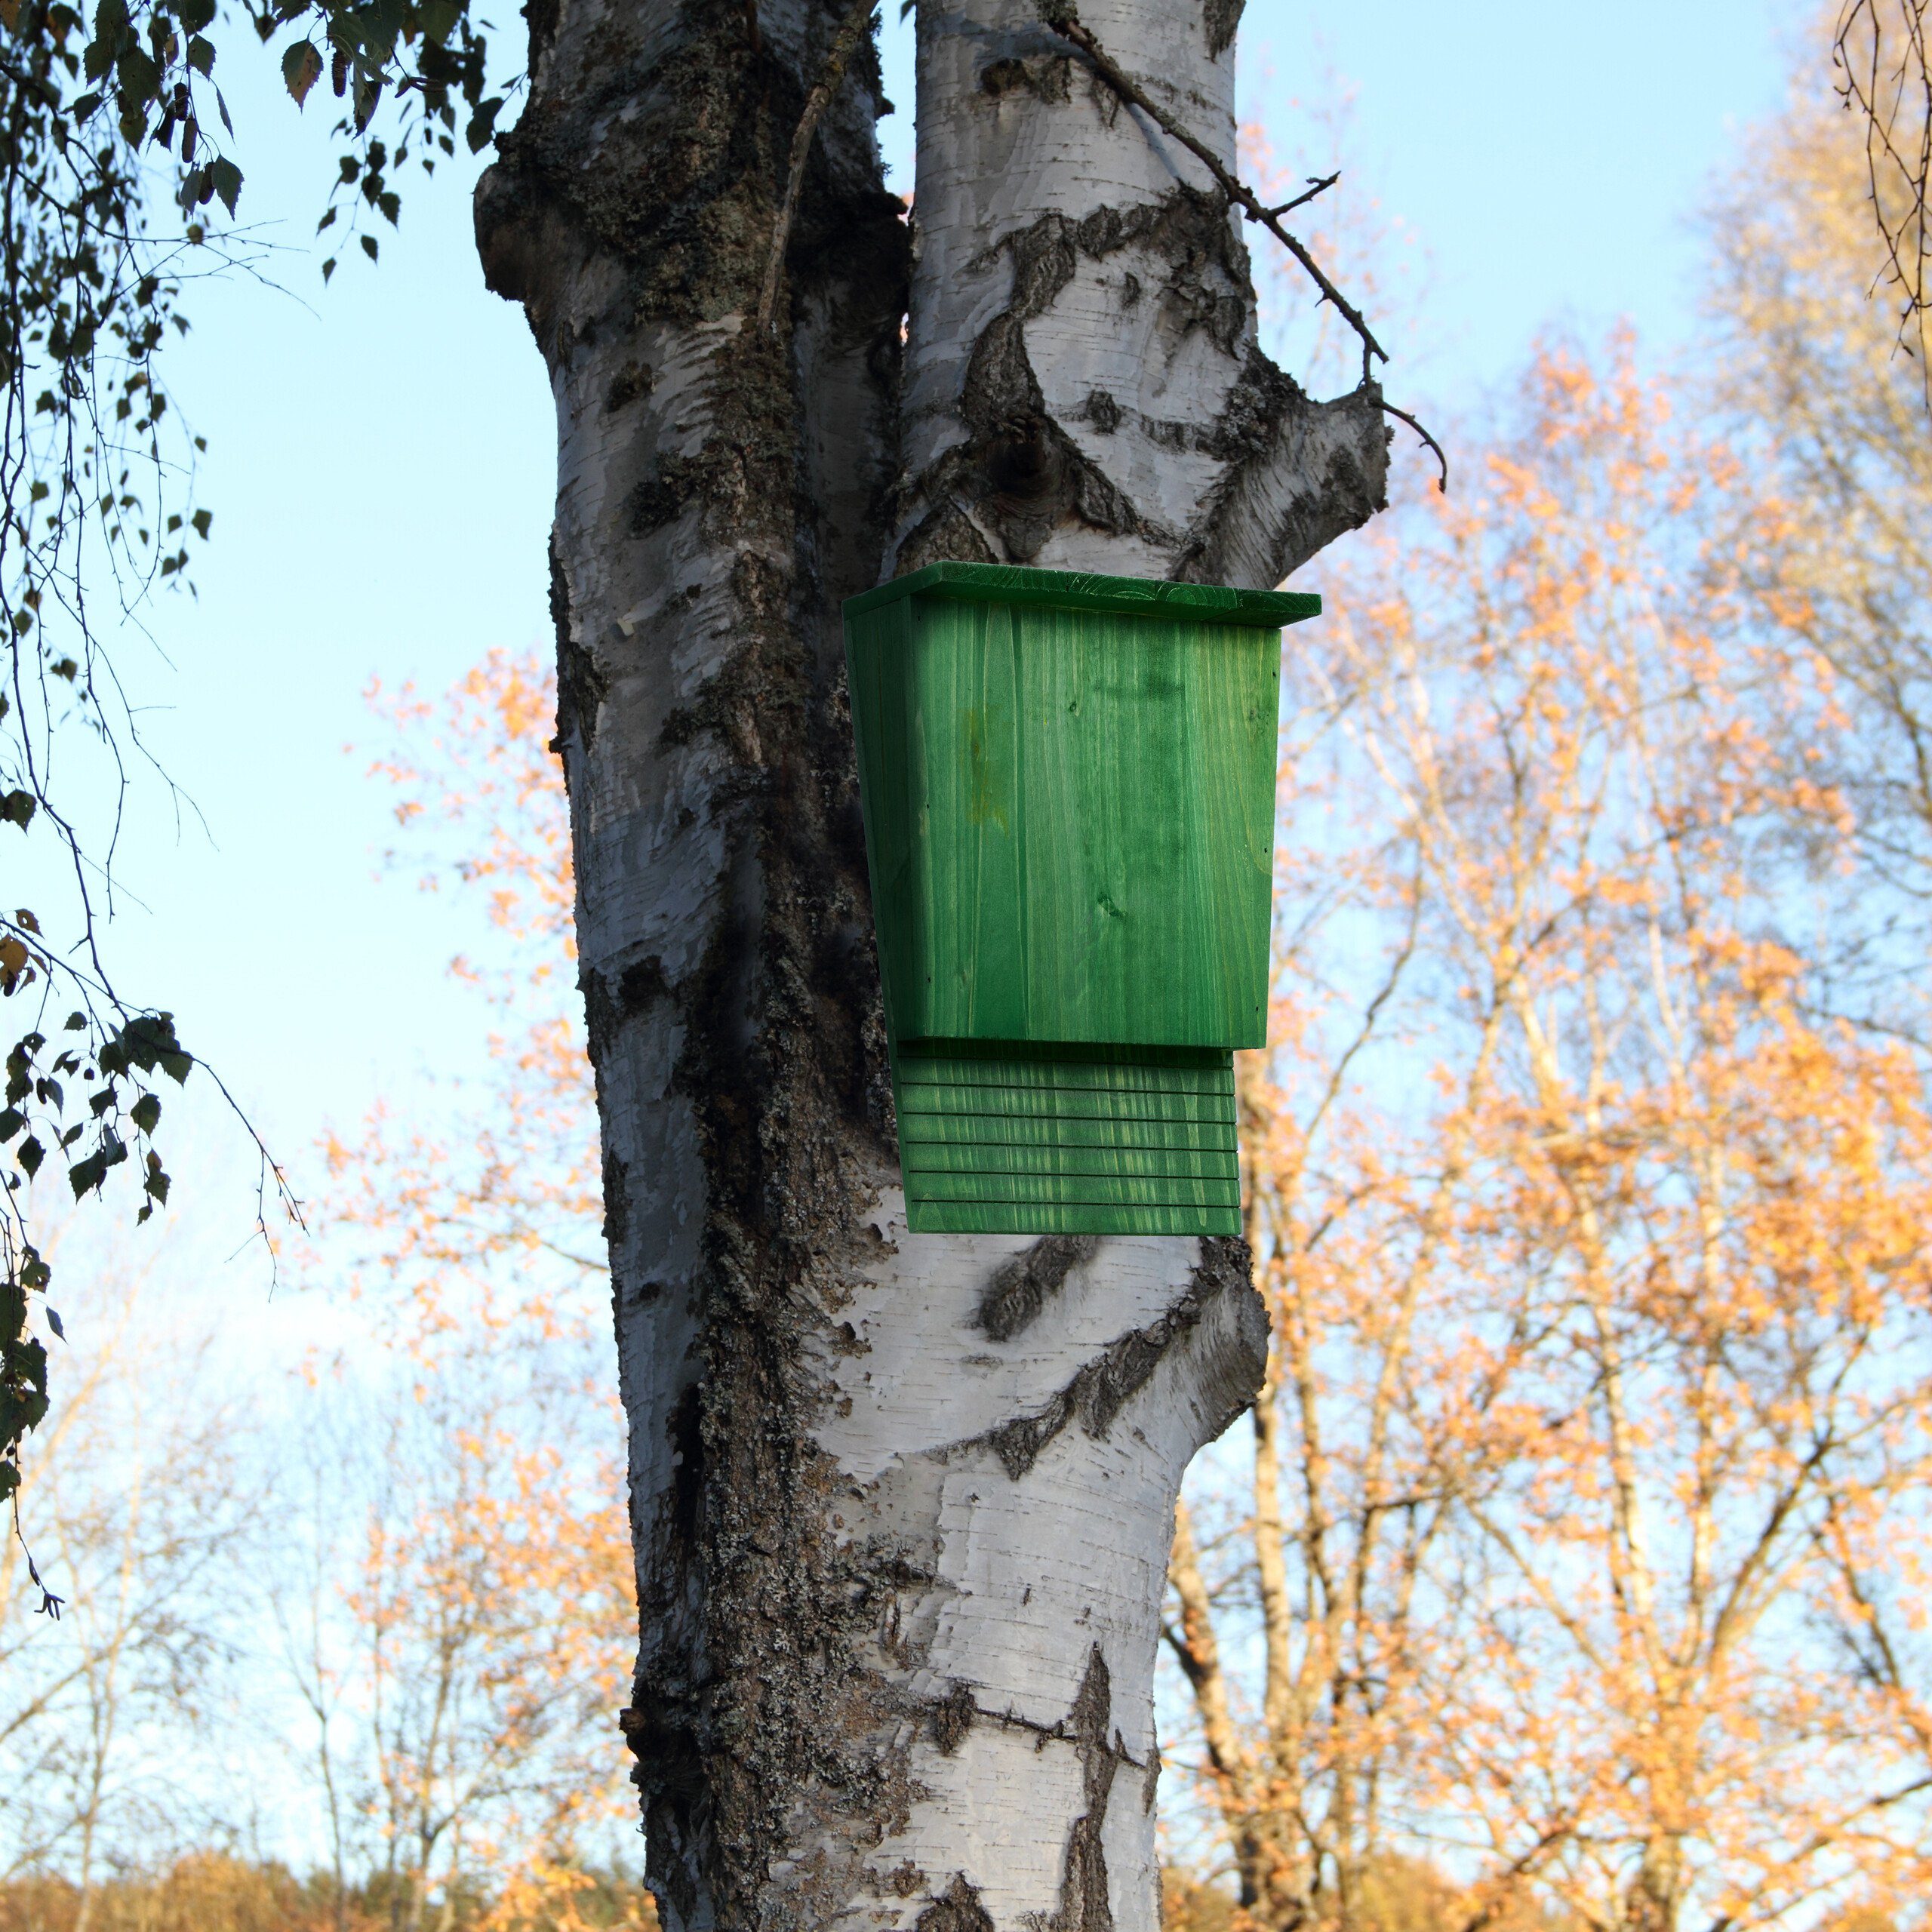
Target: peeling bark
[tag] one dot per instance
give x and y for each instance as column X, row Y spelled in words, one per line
column 901, row 1504
column 1084, row 388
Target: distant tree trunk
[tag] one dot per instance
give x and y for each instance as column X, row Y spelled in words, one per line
column 901, row 1504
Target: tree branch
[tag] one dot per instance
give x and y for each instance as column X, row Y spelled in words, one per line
column 1892, row 92
column 1061, row 18
column 854, row 24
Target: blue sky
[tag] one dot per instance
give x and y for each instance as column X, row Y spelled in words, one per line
column 381, row 467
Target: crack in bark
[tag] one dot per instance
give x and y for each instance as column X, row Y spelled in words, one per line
column 1083, row 1904
column 952, row 1718
column 1064, row 1732
column 581, row 684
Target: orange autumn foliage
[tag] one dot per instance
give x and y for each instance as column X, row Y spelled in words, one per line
column 1584, row 1542
column 521, row 1182
column 212, row 1891
column 493, row 1615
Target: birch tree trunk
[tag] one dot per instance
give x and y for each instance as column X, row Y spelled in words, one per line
column 902, row 1503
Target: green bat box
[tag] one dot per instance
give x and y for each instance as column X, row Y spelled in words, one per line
column 1069, row 790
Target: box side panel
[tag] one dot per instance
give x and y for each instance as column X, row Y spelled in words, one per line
column 877, row 677
column 1234, row 716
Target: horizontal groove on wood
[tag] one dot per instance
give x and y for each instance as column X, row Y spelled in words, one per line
column 1035, row 1217
column 1064, row 1076
column 1124, row 1163
column 1120, row 1143
column 919, row 1131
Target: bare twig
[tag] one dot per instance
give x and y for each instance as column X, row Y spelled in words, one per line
column 1318, row 185
column 1064, row 21
column 1403, row 416
column 850, row 30
column 1069, row 26
column 1885, row 76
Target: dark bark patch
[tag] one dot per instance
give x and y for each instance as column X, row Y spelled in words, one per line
column 1044, row 263
column 1102, row 411
column 1220, row 18
column 959, row 1911
column 601, row 1016
column 1047, row 77
column 1083, row 1905
column 642, row 985
column 617, row 1209
column 1103, row 1386
column 541, row 16
column 1021, row 1285
column 945, row 534
column 581, row 684
column 687, row 1440
column 636, row 379
column 952, row 1718
column 1018, row 1443
column 673, row 481
column 1021, row 470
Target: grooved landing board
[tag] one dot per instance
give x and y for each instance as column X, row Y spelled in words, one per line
column 1013, row 1143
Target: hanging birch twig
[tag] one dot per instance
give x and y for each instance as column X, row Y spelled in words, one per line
column 1065, row 21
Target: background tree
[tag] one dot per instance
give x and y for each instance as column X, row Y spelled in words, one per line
column 1884, row 75
column 99, row 237
column 146, row 1502
column 422, row 1646
column 1584, row 1354
column 1831, row 414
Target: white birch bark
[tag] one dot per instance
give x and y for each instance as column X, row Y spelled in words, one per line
column 902, row 1503
column 1083, row 388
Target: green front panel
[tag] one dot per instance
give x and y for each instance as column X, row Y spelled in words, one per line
column 1071, row 818
column 1020, row 1143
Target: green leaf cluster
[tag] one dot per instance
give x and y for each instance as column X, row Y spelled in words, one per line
column 121, row 181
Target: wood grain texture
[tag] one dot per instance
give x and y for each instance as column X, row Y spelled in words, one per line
column 1070, row 820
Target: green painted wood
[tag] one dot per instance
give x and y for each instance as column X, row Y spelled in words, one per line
column 1123, row 1072
column 1082, row 1160
column 1070, row 819
column 1079, row 1103
column 986, row 1141
column 1077, row 1190
column 1068, row 785
column 1074, row 590
column 920, row 1129
column 1038, row 1217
